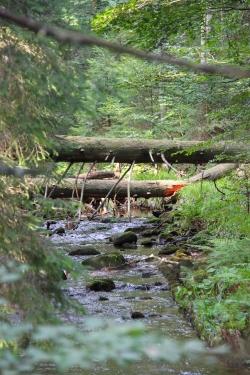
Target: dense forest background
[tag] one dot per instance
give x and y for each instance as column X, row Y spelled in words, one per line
column 48, row 88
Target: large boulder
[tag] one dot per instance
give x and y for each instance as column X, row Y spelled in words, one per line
column 84, row 250
column 101, row 285
column 126, row 237
column 114, row 259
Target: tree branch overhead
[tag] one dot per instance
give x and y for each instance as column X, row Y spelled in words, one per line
column 78, row 38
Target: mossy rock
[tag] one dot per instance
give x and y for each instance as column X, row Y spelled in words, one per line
column 168, row 250
column 154, row 220
column 114, row 259
column 101, row 285
column 200, row 275
column 84, row 250
column 151, row 232
column 180, row 255
column 128, row 246
column 138, row 229
column 148, row 242
column 126, row 237
column 171, row 272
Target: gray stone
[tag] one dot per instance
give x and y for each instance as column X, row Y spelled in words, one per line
column 137, row 315
column 126, row 237
column 84, row 250
column 114, row 259
column 101, row 285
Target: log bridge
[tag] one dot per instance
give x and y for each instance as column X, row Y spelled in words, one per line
column 125, row 150
column 94, row 188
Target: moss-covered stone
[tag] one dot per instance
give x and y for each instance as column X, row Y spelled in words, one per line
column 172, row 272
column 150, row 232
column 148, row 242
column 101, row 285
column 168, row 250
column 114, row 259
column 84, row 250
column 138, row 229
column 126, row 237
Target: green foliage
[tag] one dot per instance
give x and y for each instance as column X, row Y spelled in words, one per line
column 218, row 296
column 223, row 214
column 55, row 208
column 217, row 293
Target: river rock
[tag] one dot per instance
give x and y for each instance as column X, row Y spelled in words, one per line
column 135, row 229
column 128, row 246
column 103, row 298
column 84, row 250
column 149, row 242
column 150, row 232
column 147, row 275
column 126, row 237
column 49, row 223
column 168, row 250
column 60, row 231
column 137, row 315
column 171, row 271
column 114, row 259
column 101, row 285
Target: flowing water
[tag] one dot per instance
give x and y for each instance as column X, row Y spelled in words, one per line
column 140, row 287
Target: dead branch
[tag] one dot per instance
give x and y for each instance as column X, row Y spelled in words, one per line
column 74, row 37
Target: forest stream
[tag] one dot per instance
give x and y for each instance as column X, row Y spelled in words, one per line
column 141, row 287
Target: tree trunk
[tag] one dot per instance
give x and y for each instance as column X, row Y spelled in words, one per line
column 101, row 150
column 138, row 189
column 214, row 173
column 100, row 188
column 98, row 175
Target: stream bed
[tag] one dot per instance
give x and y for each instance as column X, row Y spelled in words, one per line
column 141, row 288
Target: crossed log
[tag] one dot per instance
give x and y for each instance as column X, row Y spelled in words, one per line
column 138, row 189
column 124, row 150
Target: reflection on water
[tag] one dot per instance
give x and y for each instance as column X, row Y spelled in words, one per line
column 138, row 288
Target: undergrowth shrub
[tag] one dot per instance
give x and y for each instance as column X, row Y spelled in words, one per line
column 225, row 215
column 216, row 294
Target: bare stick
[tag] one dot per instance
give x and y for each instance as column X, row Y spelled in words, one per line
column 60, row 179
column 151, row 156
column 109, row 193
column 76, row 181
column 74, row 37
column 46, row 191
column 170, row 165
column 216, row 187
column 129, row 183
column 82, row 190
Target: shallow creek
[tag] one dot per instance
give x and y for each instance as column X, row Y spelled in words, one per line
column 140, row 287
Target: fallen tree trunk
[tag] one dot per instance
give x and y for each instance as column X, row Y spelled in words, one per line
column 138, row 189
column 98, row 175
column 214, row 173
column 101, row 150
column 100, row 188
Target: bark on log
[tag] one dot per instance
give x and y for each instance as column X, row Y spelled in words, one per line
column 214, row 173
column 139, row 189
column 98, row 175
column 100, row 188
column 101, row 150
